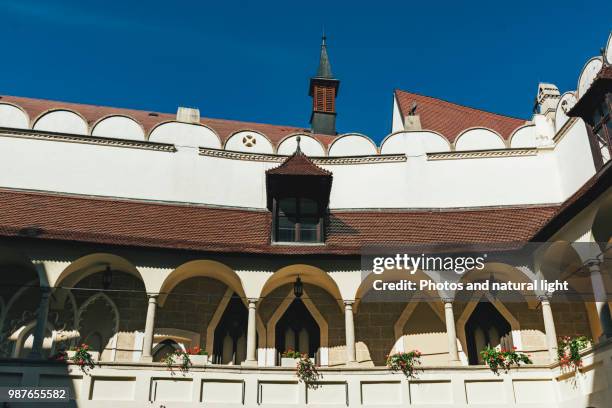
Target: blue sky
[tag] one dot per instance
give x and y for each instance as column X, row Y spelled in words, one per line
column 251, row 60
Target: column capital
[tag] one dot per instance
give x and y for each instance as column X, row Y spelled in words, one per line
column 348, row 303
column 543, row 297
column 447, row 300
column 152, row 297
column 252, row 300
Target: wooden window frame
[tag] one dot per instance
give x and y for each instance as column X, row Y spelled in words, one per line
column 297, row 236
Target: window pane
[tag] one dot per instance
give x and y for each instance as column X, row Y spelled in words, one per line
column 287, row 206
column 308, row 229
column 286, row 229
column 308, row 206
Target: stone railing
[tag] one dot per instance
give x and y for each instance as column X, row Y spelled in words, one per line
column 153, row 385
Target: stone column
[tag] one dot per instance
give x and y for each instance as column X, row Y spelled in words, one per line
column 41, row 323
column 149, row 329
column 349, row 327
column 601, row 300
column 251, row 334
column 549, row 328
column 451, row 332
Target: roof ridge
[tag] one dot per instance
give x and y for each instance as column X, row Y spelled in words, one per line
column 438, row 100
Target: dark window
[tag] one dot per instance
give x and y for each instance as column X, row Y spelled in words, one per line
column 298, row 220
column 602, row 131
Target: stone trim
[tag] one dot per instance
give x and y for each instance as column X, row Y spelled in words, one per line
column 275, row 158
column 86, row 139
column 482, row 154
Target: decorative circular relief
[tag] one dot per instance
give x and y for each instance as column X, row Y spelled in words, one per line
column 249, row 141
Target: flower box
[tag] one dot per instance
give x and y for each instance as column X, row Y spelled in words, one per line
column 289, row 362
column 198, row 359
column 95, row 355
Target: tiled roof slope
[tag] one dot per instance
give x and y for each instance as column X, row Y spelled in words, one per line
column 298, row 165
column 92, row 113
column 190, row 227
column 450, row 119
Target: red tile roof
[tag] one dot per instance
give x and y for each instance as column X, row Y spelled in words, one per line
column 450, row 119
column 202, row 228
column 92, row 113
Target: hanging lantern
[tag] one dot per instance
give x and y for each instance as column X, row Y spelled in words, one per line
column 298, row 287
column 107, row 277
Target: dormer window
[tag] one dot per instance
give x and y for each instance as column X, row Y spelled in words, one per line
column 298, row 194
column 298, row 219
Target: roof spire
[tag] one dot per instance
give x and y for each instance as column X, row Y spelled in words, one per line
column 298, row 150
column 324, row 70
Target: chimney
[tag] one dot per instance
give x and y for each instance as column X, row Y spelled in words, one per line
column 188, row 115
column 547, row 99
column 412, row 121
column 323, row 90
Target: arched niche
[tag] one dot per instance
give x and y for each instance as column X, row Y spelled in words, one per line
column 524, row 136
column 511, row 339
column 118, row 127
column 98, row 322
column 61, row 121
column 322, row 354
column 566, row 102
column 479, row 139
column 308, row 144
column 249, row 141
column 12, row 116
column 185, row 134
column 352, row 144
column 414, row 143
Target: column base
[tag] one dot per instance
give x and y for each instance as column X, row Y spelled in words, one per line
column 249, row 363
column 146, row 359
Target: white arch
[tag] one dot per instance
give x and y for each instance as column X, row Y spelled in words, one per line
column 414, row 143
column 119, row 127
column 479, row 138
column 352, row 144
column 185, row 134
column 566, row 102
column 587, row 75
column 308, row 144
column 13, row 116
column 524, row 136
column 249, row 141
column 62, row 121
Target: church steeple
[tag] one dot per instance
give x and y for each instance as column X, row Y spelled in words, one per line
column 323, row 90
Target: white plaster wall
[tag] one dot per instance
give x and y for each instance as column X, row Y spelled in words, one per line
column 309, row 145
column 120, row 127
column 62, row 121
column 414, row 143
column 397, row 124
column 185, row 134
column 185, row 176
column 352, row 145
column 574, row 158
column 477, row 139
column 13, row 117
column 258, row 142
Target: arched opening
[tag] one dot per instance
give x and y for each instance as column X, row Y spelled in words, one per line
column 230, row 335
column 298, row 330
column 98, row 323
column 164, row 349
column 486, row 327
